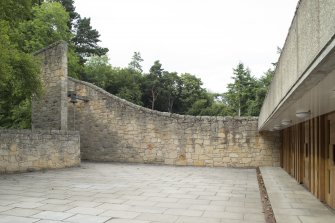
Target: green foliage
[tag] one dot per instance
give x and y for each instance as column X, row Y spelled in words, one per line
column 191, row 92
column 135, row 63
column 200, row 107
column 133, row 95
column 75, row 68
column 167, row 91
column 21, row 115
column 86, row 40
column 69, row 7
column 15, row 11
column 25, row 27
column 260, row 92
column 83, row 42
column 209, row 106
column 126, row 84
column 152, row 84
column 156, row 69
column 19, row 81
column 122, row 82
column 241, row 92
column 49, row 24
column 246, row 95
column 29, row 25
column 97, row 70
column 171, row 91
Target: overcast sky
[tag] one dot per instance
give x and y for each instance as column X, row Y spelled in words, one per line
column 207, row 38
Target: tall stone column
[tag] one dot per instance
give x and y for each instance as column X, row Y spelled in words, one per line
column 49, row 111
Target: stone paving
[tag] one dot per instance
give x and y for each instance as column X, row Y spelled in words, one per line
column 291, row 202
column 124, row 193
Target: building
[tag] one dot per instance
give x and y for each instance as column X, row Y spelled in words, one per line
column 301, row 99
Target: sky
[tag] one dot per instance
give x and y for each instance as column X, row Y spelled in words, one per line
column 207, row 38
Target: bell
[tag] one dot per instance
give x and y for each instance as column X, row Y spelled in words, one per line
column 73, row 99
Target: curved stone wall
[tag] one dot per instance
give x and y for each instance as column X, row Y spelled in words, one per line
column 112, row 129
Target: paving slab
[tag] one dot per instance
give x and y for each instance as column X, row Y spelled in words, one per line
column 112, row 192
column 22, row 212
column 291, row 202
column 53, row 215
column 16, row 219
column 83, row 218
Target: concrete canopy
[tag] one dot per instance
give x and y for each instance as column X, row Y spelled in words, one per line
column 304, row 79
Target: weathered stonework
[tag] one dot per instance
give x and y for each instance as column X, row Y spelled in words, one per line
column 50, row 110
column 52, row 147
column 113, row 129
column 26, row 150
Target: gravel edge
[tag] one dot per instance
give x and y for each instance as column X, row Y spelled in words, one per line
column 267, row 208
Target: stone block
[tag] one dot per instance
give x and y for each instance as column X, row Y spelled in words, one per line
column 233, row 155
column 173, row 155
column 198, row 163
column 226, row 159
column 246, row 160
column 204, row 157
column 169, row 161
column 181, row 162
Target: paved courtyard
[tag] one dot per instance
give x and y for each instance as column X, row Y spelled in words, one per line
column 131, row 193
column 125, row 193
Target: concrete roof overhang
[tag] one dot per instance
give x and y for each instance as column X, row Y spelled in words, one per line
column 314, row 91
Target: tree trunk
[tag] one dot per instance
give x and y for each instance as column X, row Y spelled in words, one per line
column 239, row 109
column 153, row 99
column 170, row 104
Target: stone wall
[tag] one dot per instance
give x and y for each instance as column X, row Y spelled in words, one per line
column 113, row 129
column 26, row 150
column 50, row 110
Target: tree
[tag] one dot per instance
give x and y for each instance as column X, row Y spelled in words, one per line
column 97, row 71
column 242, row 92
column 25, row 28
column 86, row 40
column 156, row 69
column 135, row 63
column 152, row 83
column 126, row 84
column 170, row 92
column 191, row 91
column 209, row 106
column 49, row 24
column 15, row 11
column 260, row 92
column 71, row 9
column 19, row 80
column 200, row 107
